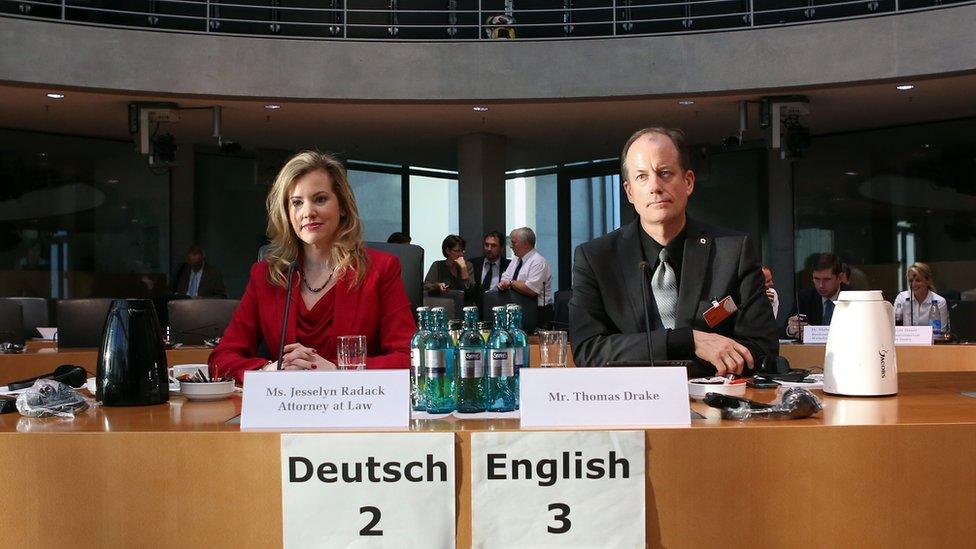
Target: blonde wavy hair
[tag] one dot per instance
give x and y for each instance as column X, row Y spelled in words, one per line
column 348, row 250
column 924, row 271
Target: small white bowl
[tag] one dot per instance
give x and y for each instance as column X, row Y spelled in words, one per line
column 217, row 390
column 47, row 332
column 697, row 391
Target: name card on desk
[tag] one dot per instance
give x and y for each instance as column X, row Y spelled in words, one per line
column 564, row 489
column 815, row 334
column 324, row 400
column 368, row 490
column 604, row 397
column 913, row 335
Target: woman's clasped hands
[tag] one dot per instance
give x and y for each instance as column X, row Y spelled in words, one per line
column 299, row 357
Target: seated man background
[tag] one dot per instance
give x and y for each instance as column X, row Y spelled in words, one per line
column 196, row 278
column 489, row 267
column 692, row 264
column 817, row 303
column 530, row 274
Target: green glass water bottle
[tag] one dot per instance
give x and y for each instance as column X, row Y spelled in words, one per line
column 417, row 375
column 472, row 384
column 440, row 355
column 502, row 383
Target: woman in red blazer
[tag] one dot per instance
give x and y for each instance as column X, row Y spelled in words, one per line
column 339, row 287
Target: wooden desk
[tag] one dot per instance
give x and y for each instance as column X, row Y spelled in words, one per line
column 880, row 472
column 935, row 358
column 39, row 360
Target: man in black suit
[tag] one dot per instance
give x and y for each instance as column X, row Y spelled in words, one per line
column 196, row 278
column 817, row 303
column 488, row 268
column 691, row 265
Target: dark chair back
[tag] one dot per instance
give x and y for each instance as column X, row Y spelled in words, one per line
column 451, row 300
column 530, row 307
column 11, row 322
column 35, row 314
column 81, row 322
column 560, row 309
column 191, row 321
column 411, row 259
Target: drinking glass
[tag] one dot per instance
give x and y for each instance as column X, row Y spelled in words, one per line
column 352, row 352
column 552, row 348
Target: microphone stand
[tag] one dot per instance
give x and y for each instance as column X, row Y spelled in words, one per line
column 284, row 320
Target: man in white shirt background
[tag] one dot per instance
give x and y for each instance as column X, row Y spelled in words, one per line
column 530, row 274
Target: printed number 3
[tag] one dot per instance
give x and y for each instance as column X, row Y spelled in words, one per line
column 368, row 529
column 562, row 516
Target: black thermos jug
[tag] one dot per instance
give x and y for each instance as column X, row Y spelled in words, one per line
column 132, row 369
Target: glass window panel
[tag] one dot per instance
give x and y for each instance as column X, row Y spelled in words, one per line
column 594, row 206
column 890, row 197
column 531, row 202
column 379, row 201
column 87, row 212
column 433, row 214
column 231, row 216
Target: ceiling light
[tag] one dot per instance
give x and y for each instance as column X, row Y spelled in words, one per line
column 926, row 145
column 905, row 87
column 480, row 108
column 42, row 155
column 850, row 173
column 56, row 95
column 686, row 102
column 272, row 106
column 112, row 181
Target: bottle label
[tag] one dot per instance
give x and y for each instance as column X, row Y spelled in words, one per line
column 435, row 366
column 502, row 362
column 415, row 363
column 936, row 326
column 472, row 363
column 519, row 358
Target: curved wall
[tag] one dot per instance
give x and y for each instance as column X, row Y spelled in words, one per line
column 877, row 48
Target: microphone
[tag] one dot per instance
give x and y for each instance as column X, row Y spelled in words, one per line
column 284, row 320
column 644, row 266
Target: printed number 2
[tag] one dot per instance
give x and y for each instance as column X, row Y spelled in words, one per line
column 562, row 515
column 368, row 529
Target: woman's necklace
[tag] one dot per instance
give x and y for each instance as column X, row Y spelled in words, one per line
column 301, row 270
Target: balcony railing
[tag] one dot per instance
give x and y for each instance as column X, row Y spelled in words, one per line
column 454, row 19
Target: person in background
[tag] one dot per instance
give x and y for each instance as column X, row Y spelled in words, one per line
column 914, row 306
column 771, row 294
column 452, row 273
column 339, row 287
column 817, row 303
column 33, row 261
column 489, row 267
column 530, row 274
column 398, row 238
column 196, row 278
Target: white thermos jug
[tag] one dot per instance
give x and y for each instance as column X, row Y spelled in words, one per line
column 860, row 354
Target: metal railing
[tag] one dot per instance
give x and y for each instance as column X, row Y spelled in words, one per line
column 454, row 19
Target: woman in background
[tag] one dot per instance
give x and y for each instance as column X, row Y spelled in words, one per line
column 339, row 287
column 452, row 273
column 914, row 307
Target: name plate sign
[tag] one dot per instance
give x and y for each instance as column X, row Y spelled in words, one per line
column 564, row 489
column 904, row 335
column 815, row 334
column 913, row 335
column 323, row 400
column 604, row 397
column 368, row 490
